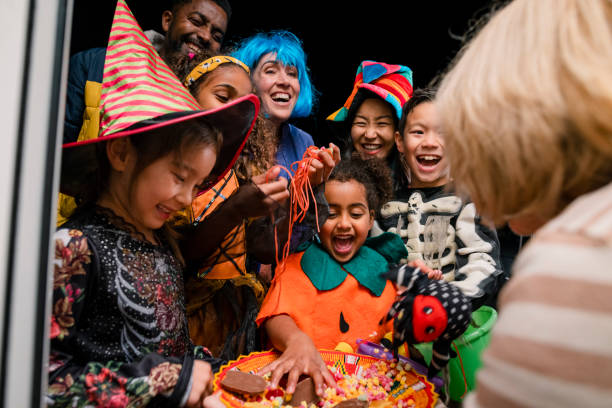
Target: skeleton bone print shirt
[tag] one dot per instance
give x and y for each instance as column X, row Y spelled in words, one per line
column 118, row 330
column 445, row 232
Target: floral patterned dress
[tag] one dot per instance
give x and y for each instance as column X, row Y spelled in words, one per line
column 119, row 334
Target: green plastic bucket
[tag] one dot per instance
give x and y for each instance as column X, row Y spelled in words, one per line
column 470, row 346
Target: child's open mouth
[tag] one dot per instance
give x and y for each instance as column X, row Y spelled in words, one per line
column 343, row 245
column 428, row 160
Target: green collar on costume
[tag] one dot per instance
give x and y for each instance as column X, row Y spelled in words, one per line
column 368, row 266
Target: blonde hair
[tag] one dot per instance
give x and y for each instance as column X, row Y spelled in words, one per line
column 527, row 108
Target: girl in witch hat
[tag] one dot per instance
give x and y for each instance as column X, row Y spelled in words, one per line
column 119, row 332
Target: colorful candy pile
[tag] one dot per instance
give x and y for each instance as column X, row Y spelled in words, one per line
column 381, row 381
column 382, row 384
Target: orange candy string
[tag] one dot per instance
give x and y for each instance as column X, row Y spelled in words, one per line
column 300, row 198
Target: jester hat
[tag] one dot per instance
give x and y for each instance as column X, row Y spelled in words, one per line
column 392, row 83
column 140, row 93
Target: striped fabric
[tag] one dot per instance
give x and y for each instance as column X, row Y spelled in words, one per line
column 392, row 83
column 136, row 84
column 552, row 344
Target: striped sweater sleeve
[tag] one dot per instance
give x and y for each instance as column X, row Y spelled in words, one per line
column 552, row 343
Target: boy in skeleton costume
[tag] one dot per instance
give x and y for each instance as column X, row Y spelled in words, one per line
column 438, row 226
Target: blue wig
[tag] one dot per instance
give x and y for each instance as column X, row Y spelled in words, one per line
column 288, row 49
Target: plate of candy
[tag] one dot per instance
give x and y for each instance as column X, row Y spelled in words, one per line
column 362, row 381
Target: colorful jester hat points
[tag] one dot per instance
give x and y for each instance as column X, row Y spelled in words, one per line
column 392, row 83
column 141, row 93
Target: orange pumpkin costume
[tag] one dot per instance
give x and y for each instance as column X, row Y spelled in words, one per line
column 335, row 303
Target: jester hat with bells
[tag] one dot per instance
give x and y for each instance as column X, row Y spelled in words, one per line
column 140, row 93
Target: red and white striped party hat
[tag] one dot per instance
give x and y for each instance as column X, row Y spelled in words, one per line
column 141, row 93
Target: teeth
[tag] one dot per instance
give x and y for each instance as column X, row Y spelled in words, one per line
column 371, row 146
column 281, row 97
column 164, row 209
column 193, row 47
column 428, row 157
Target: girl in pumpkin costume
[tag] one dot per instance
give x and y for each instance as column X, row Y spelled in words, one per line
column 335, row 290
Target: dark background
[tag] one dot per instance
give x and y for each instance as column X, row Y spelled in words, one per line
column 336, row 35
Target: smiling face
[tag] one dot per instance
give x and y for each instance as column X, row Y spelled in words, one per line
column 373, row 129
column 277, row 86
column 423, row 147
column 222, row 85
column 349, row 221
column 196, row 26
column 167, row 185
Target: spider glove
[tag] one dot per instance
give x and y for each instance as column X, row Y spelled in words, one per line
column 427, row 310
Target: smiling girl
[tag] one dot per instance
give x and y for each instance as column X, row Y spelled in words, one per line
column 119, row 297
column 368, row 121
column 222, row 295
column 319, row 299
column 119, row 334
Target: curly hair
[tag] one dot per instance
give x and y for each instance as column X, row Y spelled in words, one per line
column 374, row 174
column 259, row 153
column 182, row 65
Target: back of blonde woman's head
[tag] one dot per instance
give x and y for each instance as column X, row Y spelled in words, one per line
column 527, row 107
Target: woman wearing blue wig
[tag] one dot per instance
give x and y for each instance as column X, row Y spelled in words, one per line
column 278, row 69
column 282, row 82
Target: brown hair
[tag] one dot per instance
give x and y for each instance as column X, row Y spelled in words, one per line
column 182, row 65
column 526, row 108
